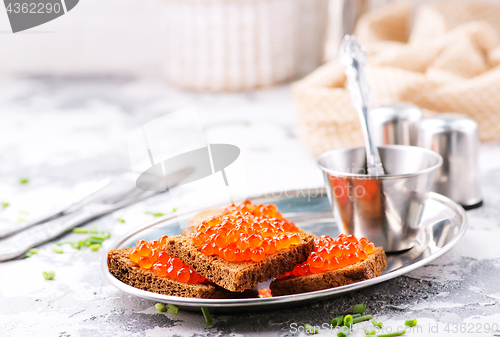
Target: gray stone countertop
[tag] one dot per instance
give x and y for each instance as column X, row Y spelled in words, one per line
column 59, row 131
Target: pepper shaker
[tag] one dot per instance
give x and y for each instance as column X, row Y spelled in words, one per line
column 455, row 137
column 395, row 124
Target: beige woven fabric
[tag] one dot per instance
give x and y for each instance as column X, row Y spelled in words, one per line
column 449, row 61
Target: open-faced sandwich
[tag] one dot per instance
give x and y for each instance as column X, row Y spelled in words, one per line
column 225, row 252
column 334, row 263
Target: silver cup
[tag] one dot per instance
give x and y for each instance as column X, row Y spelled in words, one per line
column 455, row 138
column 395, row 124
column 384, row 209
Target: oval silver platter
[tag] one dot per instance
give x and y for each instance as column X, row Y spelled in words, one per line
column 442, row 224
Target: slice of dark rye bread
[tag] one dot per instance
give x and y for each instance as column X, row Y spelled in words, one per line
column 128, row 272
column 363, row 270
column 239, row 276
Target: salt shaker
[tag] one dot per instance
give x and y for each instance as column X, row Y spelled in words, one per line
column 455, row 138
column 395, row 124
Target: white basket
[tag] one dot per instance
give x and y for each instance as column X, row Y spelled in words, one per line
column 230, row 45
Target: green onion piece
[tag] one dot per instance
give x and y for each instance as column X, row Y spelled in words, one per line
column 376, row 322
column 56, row 249
column 337, row 321
column 96, row 239
column 49, row 274
column 105, row 235
column 411, row 322
column 356, row 315
column 361, row 319
column 370, row 331
column 76, row 244
column 93, row 230
column 5, row 204
column 31, row 252
column 348, row 320
column 344, row 331
column 206, row 314
column 309, row 328
column 160, row 307
column 392, row 334
column 85, row 242
column 80, row 230
column 172, row 309
column 358, row 308
column 156, row 215
column 95, row 246
column 120, row 220
column 23, row 180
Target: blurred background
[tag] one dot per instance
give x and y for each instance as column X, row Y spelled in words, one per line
column 263, row 74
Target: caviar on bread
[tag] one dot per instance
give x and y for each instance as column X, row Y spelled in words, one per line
column 242, row 246
column 333, row 263
column 166, row 275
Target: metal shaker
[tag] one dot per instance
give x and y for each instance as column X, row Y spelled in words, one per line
column 395, row 124
column 455, row 137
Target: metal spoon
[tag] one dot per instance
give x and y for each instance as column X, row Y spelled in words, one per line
column 353, row 58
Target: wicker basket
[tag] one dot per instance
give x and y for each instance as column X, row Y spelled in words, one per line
column 230, row 45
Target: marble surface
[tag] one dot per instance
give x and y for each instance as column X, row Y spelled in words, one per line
column 60, row 131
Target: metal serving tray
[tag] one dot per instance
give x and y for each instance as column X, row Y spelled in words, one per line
column 442, row 224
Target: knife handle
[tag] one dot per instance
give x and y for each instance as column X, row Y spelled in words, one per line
column 20, row 243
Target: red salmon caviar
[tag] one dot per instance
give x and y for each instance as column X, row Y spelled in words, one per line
column 330, row 254
column 247, row 232
column 151, row 255
column 135, row 255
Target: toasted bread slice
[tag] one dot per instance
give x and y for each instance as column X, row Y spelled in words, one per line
column 239, row 276
column 363, row 270
column 197, row 219
column 128, row 272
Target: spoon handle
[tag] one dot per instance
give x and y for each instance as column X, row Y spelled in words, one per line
column 353, row 58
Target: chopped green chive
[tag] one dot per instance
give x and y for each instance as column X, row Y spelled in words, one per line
column 76, row 244
column 120, row 220
column 344, row 331
column 5, row 204
column 370, row 331
column 348, row 321
column 358, row 308
column 160, row 307
column 93, row 230
column 95, row 246
column 206, row 314
column 356, row 315
column 156, row 215
column 105, row 235
column 393, row 334
column 309, row 328
column 411, row 322
column 361, row 319
column 80, row 230
column 23, row 181
column 96, row 239
column 49, row 275
column 172, row 309
column 56, row 249
column 31, row 252
column 337, row 321
column 376, row 322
